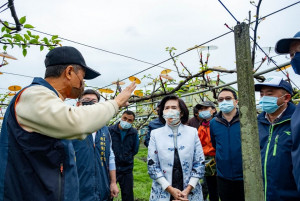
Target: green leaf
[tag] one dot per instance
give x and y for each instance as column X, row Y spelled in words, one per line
column 11, row 43
column 7, row 30
column 28, row 26
column 7, row 35
column 29, row 33
column 54, row 37
column 22, row 20
column 24, row 46
column 45, row 40
column 34, row 41
column 41, row 48
column 24, row 52
column 26, row 36
column 18, row 37
column 56, row 41
column 2, row 29
column 4, row 47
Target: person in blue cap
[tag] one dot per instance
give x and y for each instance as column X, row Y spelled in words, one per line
column 292, row 46
column 37, row 155
column 274, row 127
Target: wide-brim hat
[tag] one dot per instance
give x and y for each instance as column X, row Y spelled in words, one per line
column 283, row 45
column 69, row 55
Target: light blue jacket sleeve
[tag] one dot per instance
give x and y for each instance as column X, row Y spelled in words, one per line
column 112, row 164
column 198, row 169
column 154, row 169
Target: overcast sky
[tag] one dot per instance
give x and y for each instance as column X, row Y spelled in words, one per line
column 143, row 29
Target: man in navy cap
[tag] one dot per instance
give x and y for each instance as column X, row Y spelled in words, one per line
column 37, row 157
column 292, row 46
column 274, row 126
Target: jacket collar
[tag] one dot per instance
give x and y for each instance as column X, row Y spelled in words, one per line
column 168, row 130
column 41, row 81
column 219, row 118
column 287, row 114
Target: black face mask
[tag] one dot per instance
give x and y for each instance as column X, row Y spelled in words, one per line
column 88, row 103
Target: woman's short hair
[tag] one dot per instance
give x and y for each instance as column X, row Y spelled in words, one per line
column 184, row 110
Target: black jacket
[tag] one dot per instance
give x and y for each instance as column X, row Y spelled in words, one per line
column 124, row 150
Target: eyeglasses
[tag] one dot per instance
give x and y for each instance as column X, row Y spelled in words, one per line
column 89, row 100
column 227, row 98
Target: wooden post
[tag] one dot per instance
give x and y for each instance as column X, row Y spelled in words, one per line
column 248, row 118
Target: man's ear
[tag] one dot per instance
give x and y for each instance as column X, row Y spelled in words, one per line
column 78, row 103
column 287, row 98
column 68, row 72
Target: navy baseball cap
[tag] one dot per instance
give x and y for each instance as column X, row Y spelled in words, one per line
column 69, row 55
column 276, row 82
column 283, row 45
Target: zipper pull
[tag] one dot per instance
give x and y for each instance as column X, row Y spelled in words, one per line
column 62, row 168
column 275, row 146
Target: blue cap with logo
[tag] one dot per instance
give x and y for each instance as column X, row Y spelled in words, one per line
column 276, row 82
column 283, row 45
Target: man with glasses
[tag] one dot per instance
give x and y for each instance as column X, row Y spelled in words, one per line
column 274, row 126
column 95, row 159
column 37, row 155
column 125, row 144
column 226, row 139
column 291, row 46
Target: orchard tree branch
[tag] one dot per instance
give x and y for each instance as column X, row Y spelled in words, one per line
column 255, row 32
column 174, row 63
column 28, row 44
column 178, row 87
column 14, row 15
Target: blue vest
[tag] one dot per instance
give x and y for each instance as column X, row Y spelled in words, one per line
column 92, row 161
column 35, row 167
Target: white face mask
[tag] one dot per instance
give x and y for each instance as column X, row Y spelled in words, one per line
column 173, row 115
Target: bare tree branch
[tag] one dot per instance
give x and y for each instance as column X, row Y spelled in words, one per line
column 39, row 44
column 174, row 63
column 186, row 68
column 14, row 15
column 255, row 32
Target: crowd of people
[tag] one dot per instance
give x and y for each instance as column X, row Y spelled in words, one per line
column 53, row 151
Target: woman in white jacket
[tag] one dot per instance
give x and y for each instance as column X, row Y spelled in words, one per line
column 175, row 155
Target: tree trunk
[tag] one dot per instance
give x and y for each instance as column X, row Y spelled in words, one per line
column 248, row 118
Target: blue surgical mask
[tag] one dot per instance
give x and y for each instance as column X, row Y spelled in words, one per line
column 296, row 63
column 226, row 106
column 205, row 114
column 268, row 104
column 125, row 125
